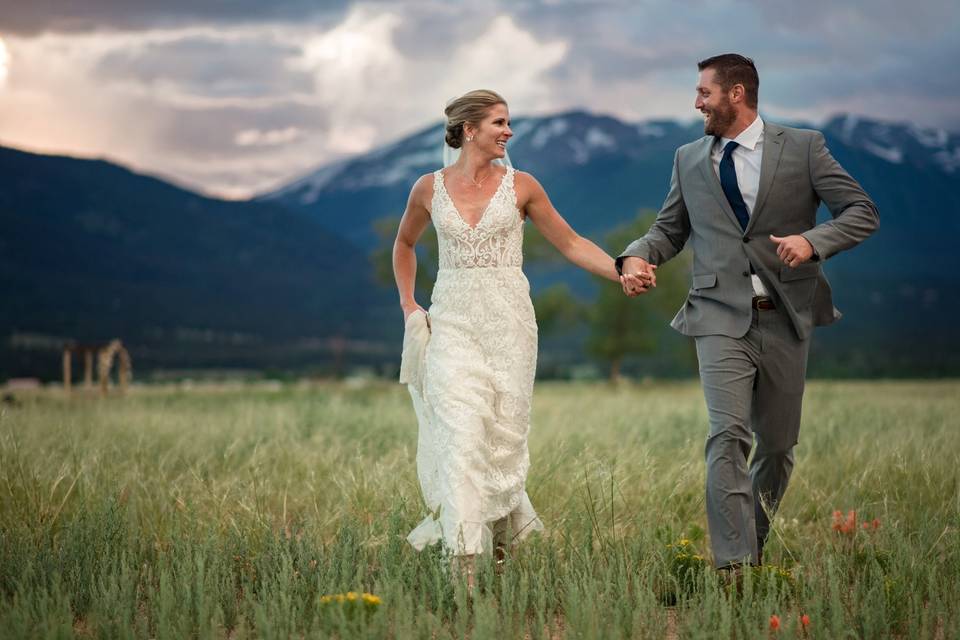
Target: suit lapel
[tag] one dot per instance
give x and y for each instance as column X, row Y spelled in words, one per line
column 772, row 150
column 705, row 162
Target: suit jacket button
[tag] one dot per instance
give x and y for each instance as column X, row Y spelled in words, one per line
column 746, row 273
column 746, row 239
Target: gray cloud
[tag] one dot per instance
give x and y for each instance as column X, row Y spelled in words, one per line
column 236, row 96
column 212, row 133
column 37, row 16
column 204, row 65
column 856, row 21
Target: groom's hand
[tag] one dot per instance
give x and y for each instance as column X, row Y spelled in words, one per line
column 793, row 250
column 638, row 276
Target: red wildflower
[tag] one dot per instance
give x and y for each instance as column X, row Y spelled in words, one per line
column 804, row 621
column 850, row 525
column 774, row 622
column 843, row 524
column 876, row 523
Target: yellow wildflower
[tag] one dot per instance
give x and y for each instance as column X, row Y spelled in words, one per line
column 350, row 598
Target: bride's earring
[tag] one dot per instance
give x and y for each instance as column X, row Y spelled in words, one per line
column 469, row 138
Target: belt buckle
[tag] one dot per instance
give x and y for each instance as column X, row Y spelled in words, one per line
column 763, row 303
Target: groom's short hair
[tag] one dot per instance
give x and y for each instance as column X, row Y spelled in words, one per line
column 732, row 68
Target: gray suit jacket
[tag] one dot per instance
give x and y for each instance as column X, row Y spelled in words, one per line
column 797, row 172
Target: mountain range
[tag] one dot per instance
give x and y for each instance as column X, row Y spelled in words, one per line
column 91, row 250
column 896, row 289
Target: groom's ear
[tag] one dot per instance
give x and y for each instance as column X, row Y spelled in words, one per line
column 737, row 93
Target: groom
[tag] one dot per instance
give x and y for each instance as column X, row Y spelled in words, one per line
column 745, row 197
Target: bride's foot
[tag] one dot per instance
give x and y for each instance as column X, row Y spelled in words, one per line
column 500, row 548
column 464, row 568
column 499, row 560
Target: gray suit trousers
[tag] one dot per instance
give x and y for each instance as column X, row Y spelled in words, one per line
column 753, row 388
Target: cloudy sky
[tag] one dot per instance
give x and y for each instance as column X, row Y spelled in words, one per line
column 232, row 97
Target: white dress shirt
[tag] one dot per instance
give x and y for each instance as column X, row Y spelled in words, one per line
column 746, row 162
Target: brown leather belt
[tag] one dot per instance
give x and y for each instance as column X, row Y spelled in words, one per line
column 763, row 303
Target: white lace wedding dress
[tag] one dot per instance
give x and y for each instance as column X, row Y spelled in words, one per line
column 473, row 395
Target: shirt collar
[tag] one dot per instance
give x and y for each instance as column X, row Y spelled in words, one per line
column 749, row 137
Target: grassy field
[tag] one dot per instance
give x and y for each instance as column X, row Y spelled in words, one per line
column 231, row 511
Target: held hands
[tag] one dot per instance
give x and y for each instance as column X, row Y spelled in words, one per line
column 638, row 276
column 793, row 250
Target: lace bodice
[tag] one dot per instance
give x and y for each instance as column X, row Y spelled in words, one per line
column 496, row 240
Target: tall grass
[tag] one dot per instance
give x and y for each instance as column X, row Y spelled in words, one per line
column 229, row 512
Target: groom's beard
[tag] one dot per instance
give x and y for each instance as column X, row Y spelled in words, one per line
column 720, row 119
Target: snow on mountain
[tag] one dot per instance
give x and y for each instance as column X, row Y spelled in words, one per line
column 596, row 137
column 522, row 127
column 890, row 154
column 307, row 189
column 936, row 138
column 650, row 130
column 576, row 138
column 899, row 143
column 550, row 129
column 949, row 160
column 406, row 168
column 399, row 162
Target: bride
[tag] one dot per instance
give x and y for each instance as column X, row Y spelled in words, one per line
column 470, row 362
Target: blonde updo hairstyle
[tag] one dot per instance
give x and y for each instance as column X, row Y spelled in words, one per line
column 469, row 108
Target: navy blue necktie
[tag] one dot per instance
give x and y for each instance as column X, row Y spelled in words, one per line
column 728, row 180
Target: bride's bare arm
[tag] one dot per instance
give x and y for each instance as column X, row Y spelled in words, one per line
column 415, row 219
column 575, row 248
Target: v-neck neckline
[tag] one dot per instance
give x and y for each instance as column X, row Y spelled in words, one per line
column 483, row 212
